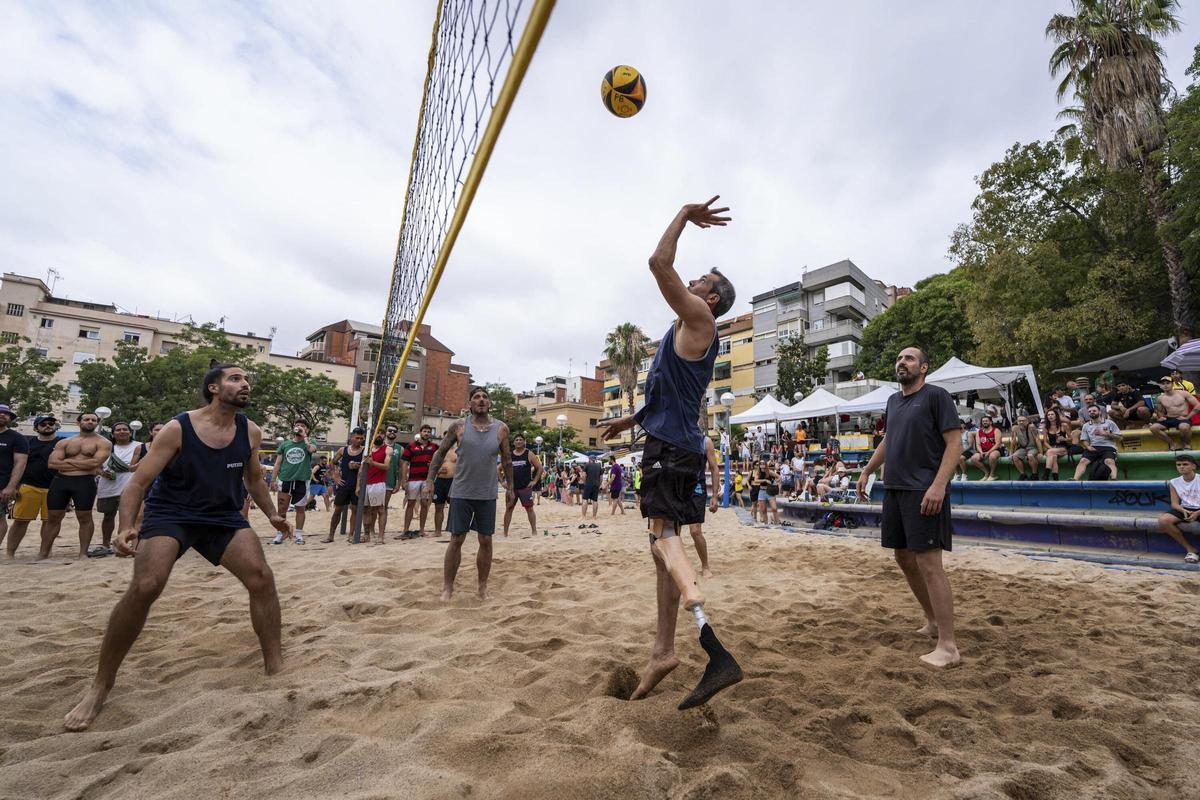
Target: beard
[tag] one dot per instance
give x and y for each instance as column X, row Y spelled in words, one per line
column 906, row 379
column 237, row 400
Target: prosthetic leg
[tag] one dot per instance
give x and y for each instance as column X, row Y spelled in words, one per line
column 722, row 670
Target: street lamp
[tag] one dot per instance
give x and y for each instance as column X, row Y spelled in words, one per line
column 135, row 426
column 727, row 400
column 538, row 441
column 561, row 419
column 103, row 412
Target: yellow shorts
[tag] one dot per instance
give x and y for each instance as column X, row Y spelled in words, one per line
column 30, row 503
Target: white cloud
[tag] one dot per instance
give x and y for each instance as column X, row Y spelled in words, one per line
column 249, row 162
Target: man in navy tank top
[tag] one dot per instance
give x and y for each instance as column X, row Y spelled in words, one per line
column 201, row 465
column 675, row 451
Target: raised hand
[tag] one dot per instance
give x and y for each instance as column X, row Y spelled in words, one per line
column 703, row 215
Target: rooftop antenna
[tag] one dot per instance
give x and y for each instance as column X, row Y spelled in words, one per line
column 222, row 323
column 52, row 278
column 271, row 336
column 570, row 366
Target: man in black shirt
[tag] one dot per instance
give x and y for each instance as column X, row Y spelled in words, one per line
column 13, row 453
column 593, row 474
column 1128, row 406
column 35, row 482
column 919, row 455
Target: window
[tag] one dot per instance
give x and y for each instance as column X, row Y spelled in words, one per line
column 47, row 322
column 261, row 348
column 133, row 337
column 89, row 333
column 408, row 428
column 765, row 308
column 410, row 385
column 9, row 337
column 818, row 324
column 818, row 297
column 543, row 422
column 82, row 358
column 74, row 390
column 414, row 364
column 847, row 348
column 723, row 347
column 409, row 405
column 789, row 329
column 165, row 348
column 372, row 354
column 592, row 442
column 16, row 310
column 368, row 377
column 644, row 366
column 592, row 422
column 42, row 351
column 5, row 366
column 764, row 335
column 722, row 373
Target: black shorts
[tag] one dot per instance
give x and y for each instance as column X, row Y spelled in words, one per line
column 696, row 509
column 209, row 541
column 614, row 493
column 1100, row 453
column 346, row 494
column 591, row 492
column 296, row 490
column 669, row 480
column 904, row 527
column 108, row 505
column 1177, row 514
column 64, row 489
column 754, row 494
column 1171, row 423
column 441, row 490
column 471, row 515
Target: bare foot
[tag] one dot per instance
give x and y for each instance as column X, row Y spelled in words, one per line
column 705, row 572
column 84, row 714
column 483, row 592
column 658, row 668
column 928, row 629
column 327, row 540
column 942, row 657
column 273, row 665
column 446, row 595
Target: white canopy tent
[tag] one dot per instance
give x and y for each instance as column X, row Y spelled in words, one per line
column 959, row 376
column 818, row 404
column 873, row 401
column 766, row 410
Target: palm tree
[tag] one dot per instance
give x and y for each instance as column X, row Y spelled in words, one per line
column 625, row 347
column 1111, row 62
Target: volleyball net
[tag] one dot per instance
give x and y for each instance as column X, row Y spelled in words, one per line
column 476, row 65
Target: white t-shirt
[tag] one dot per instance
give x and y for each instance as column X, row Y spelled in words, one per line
column 113, row 488
column 1189, row 493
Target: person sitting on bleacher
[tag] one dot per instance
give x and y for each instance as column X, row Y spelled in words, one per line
column 1027, row 448
column 1128, row 406
column 968, row 450
column 835, row 486
column 1185, row 504
column 1173, row 408
column 1102, row 444
column 987, row 448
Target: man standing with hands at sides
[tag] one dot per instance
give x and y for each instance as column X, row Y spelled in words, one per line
column 920, row 453
column 473, row 493
column 675, row 452
column 77, row 463
column 390, row 432
column 35, row 482
column 292, row 471
column 415, row 460
column 443, row 479
column 526, row 475
column 204, row 462
column 593, row 472
column 344, row 472
column 14, row 453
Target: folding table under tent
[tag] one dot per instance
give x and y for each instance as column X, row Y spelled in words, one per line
column 959, row 376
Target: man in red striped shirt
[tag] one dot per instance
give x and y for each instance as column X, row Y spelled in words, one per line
column 414, row 471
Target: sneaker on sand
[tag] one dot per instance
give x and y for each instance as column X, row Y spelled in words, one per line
column 299, row 537
column 278, row 538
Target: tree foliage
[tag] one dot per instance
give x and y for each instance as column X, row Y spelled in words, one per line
column 520, row 419
column 933, row 317
column 136, row 386
column 797, row 370
column 625, row 348
column 26, row 380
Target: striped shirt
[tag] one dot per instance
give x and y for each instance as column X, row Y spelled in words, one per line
column 418, row 457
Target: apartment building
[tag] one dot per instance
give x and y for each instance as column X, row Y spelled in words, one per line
column 830, row 306
column 733, row 372
column 78, row 331
column 432, row 389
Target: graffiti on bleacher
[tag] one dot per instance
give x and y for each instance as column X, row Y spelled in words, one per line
column 1126, row 497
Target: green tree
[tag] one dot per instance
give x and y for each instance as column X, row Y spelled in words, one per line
column 1111, row 62
column 520, row 419
column 26, row 380
column 797, row 370
column 1183, row 127
column 625, row 349
column 280, row 396
column 933, row 318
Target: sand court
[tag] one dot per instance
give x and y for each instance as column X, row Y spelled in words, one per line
column 1078, row 681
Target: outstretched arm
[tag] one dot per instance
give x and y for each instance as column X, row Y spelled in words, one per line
column 690, row 308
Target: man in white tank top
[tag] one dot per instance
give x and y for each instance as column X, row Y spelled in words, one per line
column 1185, row 504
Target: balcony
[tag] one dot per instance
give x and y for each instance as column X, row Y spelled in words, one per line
column 313, row 351
column 847, row 329
column 842, row 362
column 846, row 305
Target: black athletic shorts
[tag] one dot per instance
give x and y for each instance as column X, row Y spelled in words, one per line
column 1171, row 423
column 209, row 541
column 1100, row 453
column 696, row 509
column 64, row 489
column 669, row 480
column 296, row 490
column 471, row 515
column 1177, row 514
column 591, row 492
column 108, row 505
column 345, row 494
column 904, row 527
column 441, row 490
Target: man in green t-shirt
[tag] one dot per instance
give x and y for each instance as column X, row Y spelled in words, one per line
column 393, row 472
column 293, row 468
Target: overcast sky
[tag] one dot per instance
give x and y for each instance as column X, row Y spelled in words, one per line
column 248, row 160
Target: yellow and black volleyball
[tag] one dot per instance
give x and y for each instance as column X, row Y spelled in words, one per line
column 623, row 91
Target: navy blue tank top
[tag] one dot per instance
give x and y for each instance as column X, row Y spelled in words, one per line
column 202, row 485
column 674, row 390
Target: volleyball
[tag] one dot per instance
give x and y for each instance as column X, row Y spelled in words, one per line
column 623, row 91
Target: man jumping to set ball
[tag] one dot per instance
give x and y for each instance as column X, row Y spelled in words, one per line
column 675, row 452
